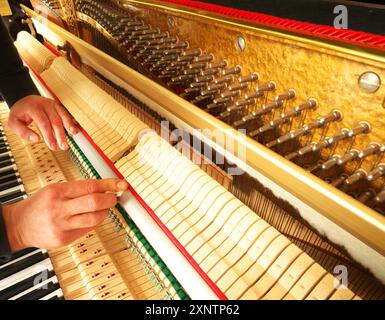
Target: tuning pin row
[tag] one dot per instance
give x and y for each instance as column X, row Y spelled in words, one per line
column 321, row 122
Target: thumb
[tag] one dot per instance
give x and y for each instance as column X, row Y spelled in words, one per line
column 23, row 131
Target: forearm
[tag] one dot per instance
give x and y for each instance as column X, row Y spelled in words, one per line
column 15, row 81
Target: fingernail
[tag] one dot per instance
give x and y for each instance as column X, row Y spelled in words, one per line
column 122, row 185
column 73, row 130
column 64, row 146
column 53, row 146
column 33, row 138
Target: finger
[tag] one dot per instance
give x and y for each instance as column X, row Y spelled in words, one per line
column 87, row 220
column 72, row 235
column 76, row 189
column 89, row 203
column 22, row 130
column 57, row 125
column 44, row 125
column 68, row 121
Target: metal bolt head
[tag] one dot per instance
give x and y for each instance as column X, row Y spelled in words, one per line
column 240, row 43
column 369, row 82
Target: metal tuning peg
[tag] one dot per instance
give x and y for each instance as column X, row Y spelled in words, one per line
column 377, row 172
column 356, row 176
column 252, row 77
column 331, row 162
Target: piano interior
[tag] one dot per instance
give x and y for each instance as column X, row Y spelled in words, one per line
column 255, row 153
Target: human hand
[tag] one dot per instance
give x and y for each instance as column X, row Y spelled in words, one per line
column 60, row 213
column 50, row 117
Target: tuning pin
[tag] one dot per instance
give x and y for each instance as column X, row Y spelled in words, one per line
column 254, row 95
column 189, row 55
column 238, row 106
column 178, row 45
column 198, row 65
column 330, row 163
column 380, row 197
column 231, row 71
column 256, row 114
column 356, row 176
column 238, row 86
column 224, row 79
column 269, row 86
column 363, row 127
column 230, row 94
column 293, row 155
column 290, row 94
column 210, row 91
column 293, row 134
column 205, row 58
column 371, row 149
column 209, row 72
column 306, row 149
column 218, row 65
column 252, row 77
column 338, row 181
column 335, row 115
column 222, row 100
column 204, row 79
column 377, row 172
column 218, row 86
column 269, row 126
column 366, row 196
column 351, row 155
column 309, row 104
column 343, row 134
column 192, row 71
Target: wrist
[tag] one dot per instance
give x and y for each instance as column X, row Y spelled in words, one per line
column 12, row 228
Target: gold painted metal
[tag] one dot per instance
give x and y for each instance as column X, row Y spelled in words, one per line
column 325, row 70
column 150, row 6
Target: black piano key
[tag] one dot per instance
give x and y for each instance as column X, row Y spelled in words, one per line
column 57, row 298
column 19, row 254
column 5, row 156
column 8, row 176
column 6, row 170
column 14, row 200
column 40, row 292
column 23, row 285
column 7, row 162
column 22, row 264
column 10, row 184
column 4, row 149
column 11, row 196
